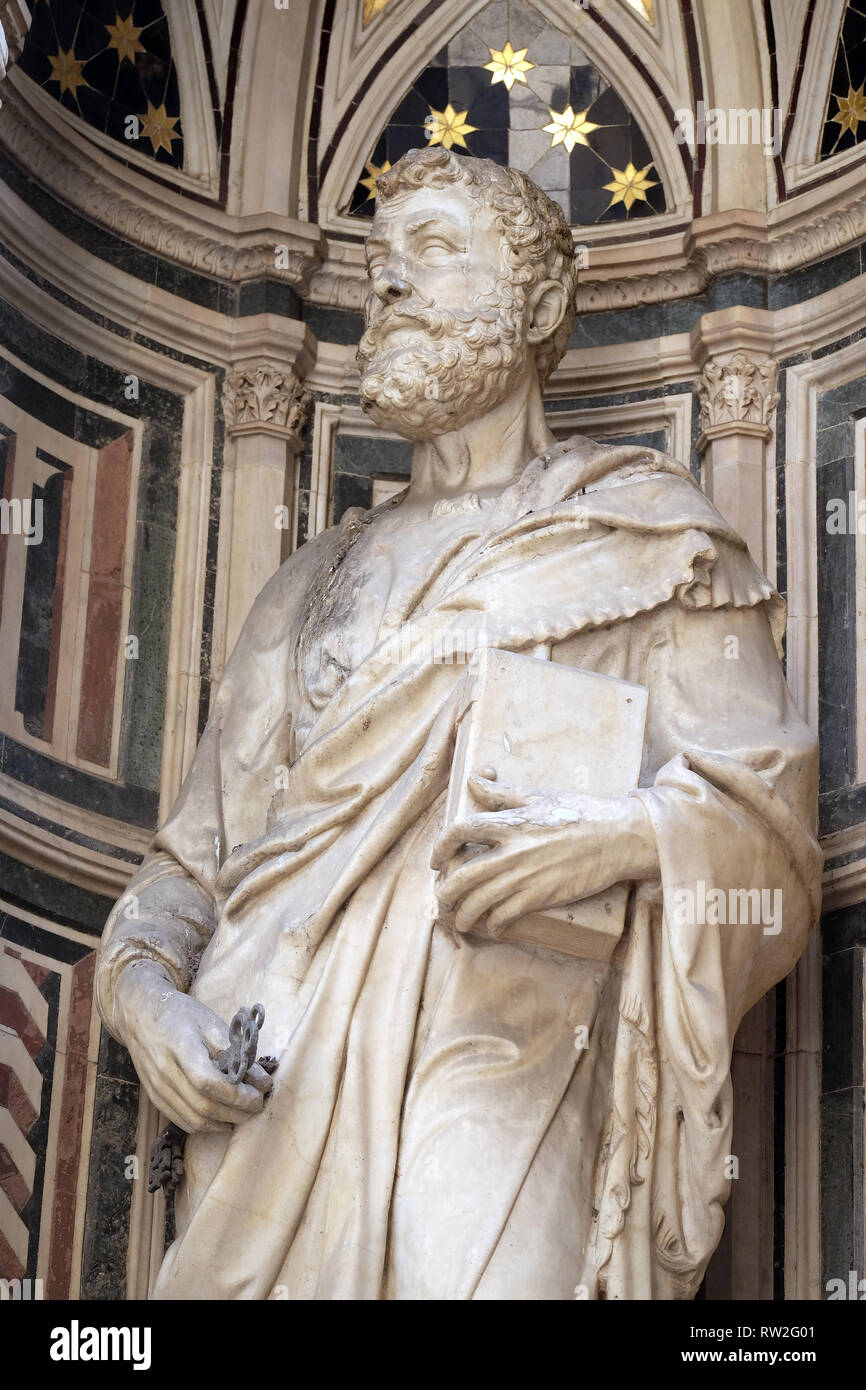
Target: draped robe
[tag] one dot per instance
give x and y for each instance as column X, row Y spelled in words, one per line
column 477, row 1119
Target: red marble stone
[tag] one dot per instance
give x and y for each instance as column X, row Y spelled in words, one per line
column 62, row 1236
column 10, row 1266
column 57, row 611
column 66, row 1180
column 81, row 1004
column 69, row 1127
column 69, row 1130
column 38, row 973
column 11, row 1180
column 14, row 1015
column 111, row 509
column 14, row 1098
column 103, row 633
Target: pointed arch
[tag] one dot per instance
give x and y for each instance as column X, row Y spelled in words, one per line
column 88, row 75
column 348, row 139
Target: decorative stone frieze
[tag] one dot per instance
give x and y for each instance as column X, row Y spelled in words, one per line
column 288, row 251
column 333, row 273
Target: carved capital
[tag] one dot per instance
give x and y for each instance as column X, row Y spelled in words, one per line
column 263, row 397
column 737, row 397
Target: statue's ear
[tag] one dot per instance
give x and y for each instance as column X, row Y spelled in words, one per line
column 546, row 305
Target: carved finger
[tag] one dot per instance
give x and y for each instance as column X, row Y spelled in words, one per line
column 475, row 830
column 476, row 904
column 210, row 1113
column 511, row 910
column 239, row 1096
column 480, row 869
column 176, row 1108
column 198, row 1068
column 165, row 1106
column 206, row 1097
column 496, row 797
column 215, row 1035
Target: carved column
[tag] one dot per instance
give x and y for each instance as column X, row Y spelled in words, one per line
column 265, row 408
column 738, row 398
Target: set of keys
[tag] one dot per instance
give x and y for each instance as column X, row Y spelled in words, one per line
column 166, row 1154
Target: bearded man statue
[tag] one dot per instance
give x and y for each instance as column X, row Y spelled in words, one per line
column 455, row 1113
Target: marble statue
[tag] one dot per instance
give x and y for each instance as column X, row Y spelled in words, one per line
column 459, row 1108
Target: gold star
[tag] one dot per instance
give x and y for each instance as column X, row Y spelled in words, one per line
column 508, row 66
column 569, row 129
column 644, row 8
column 124, row 37
column 158, row 127
column 371, row 9
column 852, row 109
column 67, row 70
column 448, row 127
column 629, row 185
column 375, row 175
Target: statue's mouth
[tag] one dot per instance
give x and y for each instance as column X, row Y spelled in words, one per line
column 385, row 344
column 400, row 335
column 392, row 324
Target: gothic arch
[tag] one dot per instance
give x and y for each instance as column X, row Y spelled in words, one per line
column 809, row 157
column 344, row 132
column 199, row 171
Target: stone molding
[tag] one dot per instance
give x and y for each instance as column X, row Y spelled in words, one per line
column 332, row 272
column 64, row 859
column 228, row 252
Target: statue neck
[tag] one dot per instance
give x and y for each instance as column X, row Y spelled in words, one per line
column 486, row 455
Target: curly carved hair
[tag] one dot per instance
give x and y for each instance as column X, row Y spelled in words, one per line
column 536, row 240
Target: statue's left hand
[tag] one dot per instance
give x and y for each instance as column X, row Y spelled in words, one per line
column 544, row 850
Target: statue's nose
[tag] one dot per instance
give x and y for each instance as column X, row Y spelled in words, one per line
column 389, row 285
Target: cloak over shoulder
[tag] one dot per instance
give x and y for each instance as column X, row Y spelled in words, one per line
column 294, row 869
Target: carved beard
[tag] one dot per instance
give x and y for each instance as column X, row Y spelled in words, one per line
column 450, row 368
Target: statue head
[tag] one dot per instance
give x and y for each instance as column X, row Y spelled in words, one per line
column 473, row 284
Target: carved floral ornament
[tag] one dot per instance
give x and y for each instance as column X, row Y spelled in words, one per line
column 739, row 393
column 265, row 397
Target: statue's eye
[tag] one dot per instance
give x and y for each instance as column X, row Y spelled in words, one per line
column 437, row 251
column 375, row 254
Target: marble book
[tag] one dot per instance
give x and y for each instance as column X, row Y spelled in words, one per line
column 535, row 723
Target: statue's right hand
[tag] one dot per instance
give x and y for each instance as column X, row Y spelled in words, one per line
column 174, row 1041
